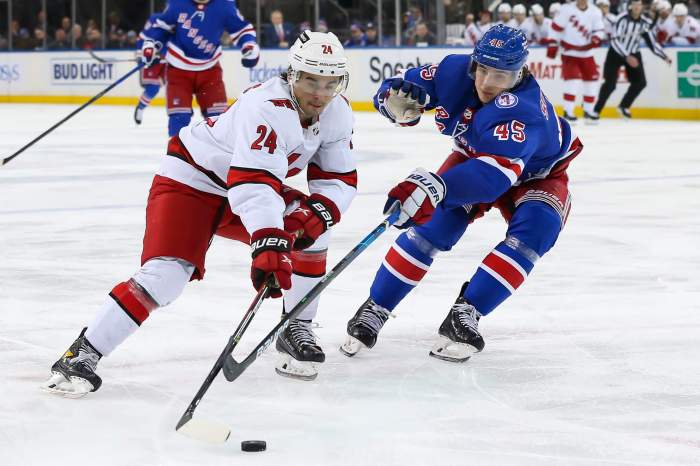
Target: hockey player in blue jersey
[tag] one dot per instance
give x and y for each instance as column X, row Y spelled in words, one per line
column 190, row 31
column 151, row 78
column 510, row 151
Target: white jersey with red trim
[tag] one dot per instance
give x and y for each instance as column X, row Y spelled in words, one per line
column 661, row 29
column 247, row 152
column 686, row 34
column 475, row 31
column 574, row 28
column 537, row 33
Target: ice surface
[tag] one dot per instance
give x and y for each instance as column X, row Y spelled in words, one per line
column 595, row 360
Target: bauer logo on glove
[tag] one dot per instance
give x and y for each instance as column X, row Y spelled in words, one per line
column 418, row 196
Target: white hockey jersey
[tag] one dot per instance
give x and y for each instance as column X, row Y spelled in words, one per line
column 662, row 28
column 537, row 34
column 687, row 34
column 475, row 31
column 573, row 29
column 247, row 152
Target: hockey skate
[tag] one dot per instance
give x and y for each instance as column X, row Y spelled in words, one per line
column 364, row 327
column 570, row 118
column 591, row 118
column 138, row 114
column 459, row 333
column 299, row 353
column 73, row 375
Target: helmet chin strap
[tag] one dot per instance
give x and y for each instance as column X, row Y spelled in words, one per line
column 291, row 78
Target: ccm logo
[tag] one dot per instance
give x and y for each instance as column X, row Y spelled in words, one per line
column 423, row 181
column 323, row 213
column 271, row 243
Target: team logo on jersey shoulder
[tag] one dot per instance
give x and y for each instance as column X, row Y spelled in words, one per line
column 506, row 100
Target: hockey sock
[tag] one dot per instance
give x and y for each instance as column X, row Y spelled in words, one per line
column 571, row 90
column 532, row 231
column 590, row 90
column 149, row 92
column 501, row 272
column 177, row 121
column 309, row 267
column 127, row 306
column 403, row 267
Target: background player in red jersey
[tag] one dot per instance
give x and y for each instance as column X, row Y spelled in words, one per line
column 225, row 176
column 190, row 31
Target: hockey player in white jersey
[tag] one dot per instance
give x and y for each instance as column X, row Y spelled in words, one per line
column 225, row 176
column 505, row 15
column 519, row 16
column 609, row 19
column 684, row 29
column 536, row 27
column 578, row 29
column 477, row 29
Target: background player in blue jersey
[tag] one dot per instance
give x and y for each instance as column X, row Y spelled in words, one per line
column 151, row 78
column 510, row 151
column 190, row 31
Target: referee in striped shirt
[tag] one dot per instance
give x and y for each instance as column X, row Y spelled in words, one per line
column 624, row 51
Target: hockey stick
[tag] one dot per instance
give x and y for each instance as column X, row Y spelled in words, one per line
column 233, row 369
column 73, row 113
column 211, row 431
column 111, row 60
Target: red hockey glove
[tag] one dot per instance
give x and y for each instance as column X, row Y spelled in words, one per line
column 311, row 219
column 149, row 53
column 290, row 195
column 595, row 41
column 552, row 50
column 271, row 251
column 250, row 54
column 418, row 196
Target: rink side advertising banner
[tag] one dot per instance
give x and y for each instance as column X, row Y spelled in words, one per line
column 672, row 91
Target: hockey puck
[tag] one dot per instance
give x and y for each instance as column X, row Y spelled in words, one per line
column 253, row 445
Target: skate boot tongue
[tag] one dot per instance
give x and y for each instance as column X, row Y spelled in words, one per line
column 363, row 329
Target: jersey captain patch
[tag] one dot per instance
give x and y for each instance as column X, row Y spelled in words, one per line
column 506, row 100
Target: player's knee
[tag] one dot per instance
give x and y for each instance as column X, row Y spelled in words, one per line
column 642, row 84
column 309, row 263
column 164, row 278
column 177, row 121
column 541, row 226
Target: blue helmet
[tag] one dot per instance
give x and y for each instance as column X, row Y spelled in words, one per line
column 502, row 47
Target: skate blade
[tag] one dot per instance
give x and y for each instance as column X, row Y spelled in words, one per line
column 448, row 350
column 300, row 370
column 57, row 384
column 351, row 346
column 205, row 430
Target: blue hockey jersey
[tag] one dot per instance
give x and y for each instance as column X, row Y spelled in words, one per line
column 192, row 32
column 514, row 138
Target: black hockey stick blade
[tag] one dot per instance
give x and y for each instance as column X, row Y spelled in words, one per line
column 233, row 369
column 207, row 430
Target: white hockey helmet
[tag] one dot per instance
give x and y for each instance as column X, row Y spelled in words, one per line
column 554, row 8
column 536, row 9
column 602, row 2
column 679, row 9
column 519, row 9
column 320, row 54
column 664, row 5
column 504, row 8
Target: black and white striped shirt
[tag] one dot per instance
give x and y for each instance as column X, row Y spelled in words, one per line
column 627, row 33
